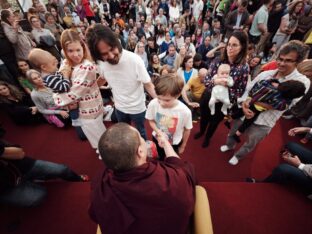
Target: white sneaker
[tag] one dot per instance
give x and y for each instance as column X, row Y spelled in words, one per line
column 233, row 161
column 100, row 158
column 224, row 148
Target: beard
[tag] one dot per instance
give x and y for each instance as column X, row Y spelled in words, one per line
column 113, row 61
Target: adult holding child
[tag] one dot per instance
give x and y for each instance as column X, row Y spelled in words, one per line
column 125, row 73
column 84, row 90
column 235, row 56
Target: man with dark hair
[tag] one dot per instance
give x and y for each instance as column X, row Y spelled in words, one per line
column 125, row 73
column 151, row 47
column 290, row 55
column 204, row 48
column 138, row 195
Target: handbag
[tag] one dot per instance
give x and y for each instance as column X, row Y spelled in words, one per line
column 47, row 41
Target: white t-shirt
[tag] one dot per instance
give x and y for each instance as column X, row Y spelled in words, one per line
column 126, row 80
column 172, row 121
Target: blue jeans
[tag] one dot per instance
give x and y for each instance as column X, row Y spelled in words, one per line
column 28, row 193
column 138, row 120
column 286, row 173
column 74, row 115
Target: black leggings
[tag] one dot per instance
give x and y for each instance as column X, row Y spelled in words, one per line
column 206, row 118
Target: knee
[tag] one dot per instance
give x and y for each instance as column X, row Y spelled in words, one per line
column 283, row 169
column 36, row 198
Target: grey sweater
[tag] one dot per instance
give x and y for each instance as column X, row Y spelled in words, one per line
column 44, row 102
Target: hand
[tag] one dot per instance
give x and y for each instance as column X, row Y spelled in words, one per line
column 181, row 149
column 292, row 160
column 247, row 112
column 64, row 114
column 162, row 138
column 72, row 106
column 193, row 104
column 294, row 131
column 33, row 44
column 101, row 81
column 66, row 71
column 220, row 81
column 34, row 110
column 15, row 24
column 221, row 45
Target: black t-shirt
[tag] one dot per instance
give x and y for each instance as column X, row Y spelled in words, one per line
column 11, row 169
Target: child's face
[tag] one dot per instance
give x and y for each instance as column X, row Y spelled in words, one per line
column 166, row 101
column 50, row 64
column 222, row 73
column 74, row 52
column 36, row 79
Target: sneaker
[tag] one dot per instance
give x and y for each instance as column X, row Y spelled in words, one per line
column 100, row 158
column 84, row 178
column 224, row 148
column 251, row 180
column 233, row 161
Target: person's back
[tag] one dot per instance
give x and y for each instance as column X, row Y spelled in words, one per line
column 147, row 197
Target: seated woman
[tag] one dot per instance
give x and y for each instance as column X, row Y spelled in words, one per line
column 19, row 106
column 43, row 99
column 186, row 71
column 23, row 67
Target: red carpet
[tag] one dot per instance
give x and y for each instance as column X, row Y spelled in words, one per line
column 65, row 209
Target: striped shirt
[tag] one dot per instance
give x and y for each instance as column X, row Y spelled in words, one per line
column 57, row 82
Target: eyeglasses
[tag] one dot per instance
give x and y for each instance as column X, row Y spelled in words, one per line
column 233, row 46
column 287, row 61
column 34, row 21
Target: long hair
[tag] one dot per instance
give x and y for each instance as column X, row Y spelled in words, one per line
column 243, row 40
column 186, row 58
column 69, row 36
column 5, row 13
column 97, row 33
column 15, row 92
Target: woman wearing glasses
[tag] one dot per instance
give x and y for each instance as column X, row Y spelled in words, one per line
column 235, row 55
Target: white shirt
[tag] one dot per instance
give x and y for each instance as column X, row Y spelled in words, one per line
column 126, row 80
column 261, row 17
column 270, row 117
column 171, row 121
column 198, row 7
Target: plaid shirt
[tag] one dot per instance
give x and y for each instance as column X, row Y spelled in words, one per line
column 270, row 117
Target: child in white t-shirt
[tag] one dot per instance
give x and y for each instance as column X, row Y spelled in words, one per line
column 167, row 114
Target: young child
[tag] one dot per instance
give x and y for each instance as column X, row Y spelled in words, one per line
column 84, row 90
column 266, row 95
column 220, row 93
column 167, row 114
column 58, row 81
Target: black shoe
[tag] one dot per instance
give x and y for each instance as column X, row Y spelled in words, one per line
column 236, row 138
column 250, row 180
column 227, row 124
column 205, row 144
column 198, row 135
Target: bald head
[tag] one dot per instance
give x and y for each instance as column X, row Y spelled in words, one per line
column 202, row 73
column 41, row 58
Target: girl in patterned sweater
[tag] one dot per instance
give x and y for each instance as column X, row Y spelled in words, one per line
column 84, row 89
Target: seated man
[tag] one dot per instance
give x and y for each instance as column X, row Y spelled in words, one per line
column 137, row 195
column 297, row 169
column 193, row 90
column 17, row 173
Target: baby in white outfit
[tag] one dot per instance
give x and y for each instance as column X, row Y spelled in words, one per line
column 220, row 93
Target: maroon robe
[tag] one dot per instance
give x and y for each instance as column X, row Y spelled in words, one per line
column 156, row 197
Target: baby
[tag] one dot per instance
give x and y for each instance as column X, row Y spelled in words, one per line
column 220, row 93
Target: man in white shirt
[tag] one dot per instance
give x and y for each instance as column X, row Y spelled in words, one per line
column 198, row 7
column 125, row 73
column 289, row 57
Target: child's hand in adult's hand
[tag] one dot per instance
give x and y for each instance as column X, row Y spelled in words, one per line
column 162, row 139
column 64, row 114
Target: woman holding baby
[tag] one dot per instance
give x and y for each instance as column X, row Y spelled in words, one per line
column 234, row 55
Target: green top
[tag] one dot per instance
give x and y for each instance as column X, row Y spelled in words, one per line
column 25, row 83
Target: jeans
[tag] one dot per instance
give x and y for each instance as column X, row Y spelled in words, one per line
column 138, row 120
column 28, row 193
column 74, row 115
column 286, row 173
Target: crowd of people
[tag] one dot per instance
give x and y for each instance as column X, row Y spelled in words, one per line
column 170, row 63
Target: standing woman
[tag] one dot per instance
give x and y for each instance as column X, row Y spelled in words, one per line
column 140, row 50
column 288, row 25
column 186, row 71
column 21, row 42
column 84, row 90
column 234, row 55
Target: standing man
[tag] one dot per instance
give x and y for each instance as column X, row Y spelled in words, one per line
column 125, row 73
column 136, row 195
column 289, row 57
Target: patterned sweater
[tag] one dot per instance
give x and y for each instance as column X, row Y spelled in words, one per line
column 84, row 90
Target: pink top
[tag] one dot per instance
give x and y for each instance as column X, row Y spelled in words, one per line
column 84, row 90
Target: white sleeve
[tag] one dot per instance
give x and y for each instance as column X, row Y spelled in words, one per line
column 188, row 124
column 150, row 111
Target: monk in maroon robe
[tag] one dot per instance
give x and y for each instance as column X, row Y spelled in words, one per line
column 137, row 195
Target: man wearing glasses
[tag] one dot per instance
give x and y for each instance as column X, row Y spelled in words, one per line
column 289, row 57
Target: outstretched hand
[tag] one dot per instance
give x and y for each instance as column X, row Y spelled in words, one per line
column 298, row 130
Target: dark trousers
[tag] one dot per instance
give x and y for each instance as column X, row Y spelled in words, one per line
column 74, row 115
column 288, row 174
column 161, row 152
column 28, row 193
column 206, row 117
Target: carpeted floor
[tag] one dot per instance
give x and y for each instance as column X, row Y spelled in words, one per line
column 65, row 210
